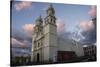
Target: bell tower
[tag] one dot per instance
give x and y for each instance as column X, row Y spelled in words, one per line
column 50, row 18
column 37, row 41
column 50, row 35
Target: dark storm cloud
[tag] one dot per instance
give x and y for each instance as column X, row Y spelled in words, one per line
column 84, row 36
column 90, row 36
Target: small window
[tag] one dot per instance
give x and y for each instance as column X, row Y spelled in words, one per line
column 38, row 44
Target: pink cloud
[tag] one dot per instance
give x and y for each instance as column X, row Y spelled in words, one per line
column 22, row 5
column 28, row 28
column 92, row 11
column 16, row 43
column 60, row 26
column 86, row 25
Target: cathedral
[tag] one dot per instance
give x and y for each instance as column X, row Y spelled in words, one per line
column 47, row 46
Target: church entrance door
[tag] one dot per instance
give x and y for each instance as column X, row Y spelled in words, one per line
column 38, row 58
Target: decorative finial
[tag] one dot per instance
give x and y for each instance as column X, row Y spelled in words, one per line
column 50, row 10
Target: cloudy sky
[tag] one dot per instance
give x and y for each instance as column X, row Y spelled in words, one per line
column 73, row 21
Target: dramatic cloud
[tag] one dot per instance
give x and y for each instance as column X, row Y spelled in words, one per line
column 92, row 11
column 18, row 34
column 88, row 28
column 16, row 43
column 19, row 38
column 77, row 35
column 22, row 5
column 20, row 48
column 28, row 29
column 60, row 26
column 86, row 25
column 20, row 43
column 88, row 31
column 90, row 37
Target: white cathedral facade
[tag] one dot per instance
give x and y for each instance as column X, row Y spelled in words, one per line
column 47, row 46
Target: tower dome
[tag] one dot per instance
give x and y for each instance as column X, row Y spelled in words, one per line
column 39, row 20
column 50, row 10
